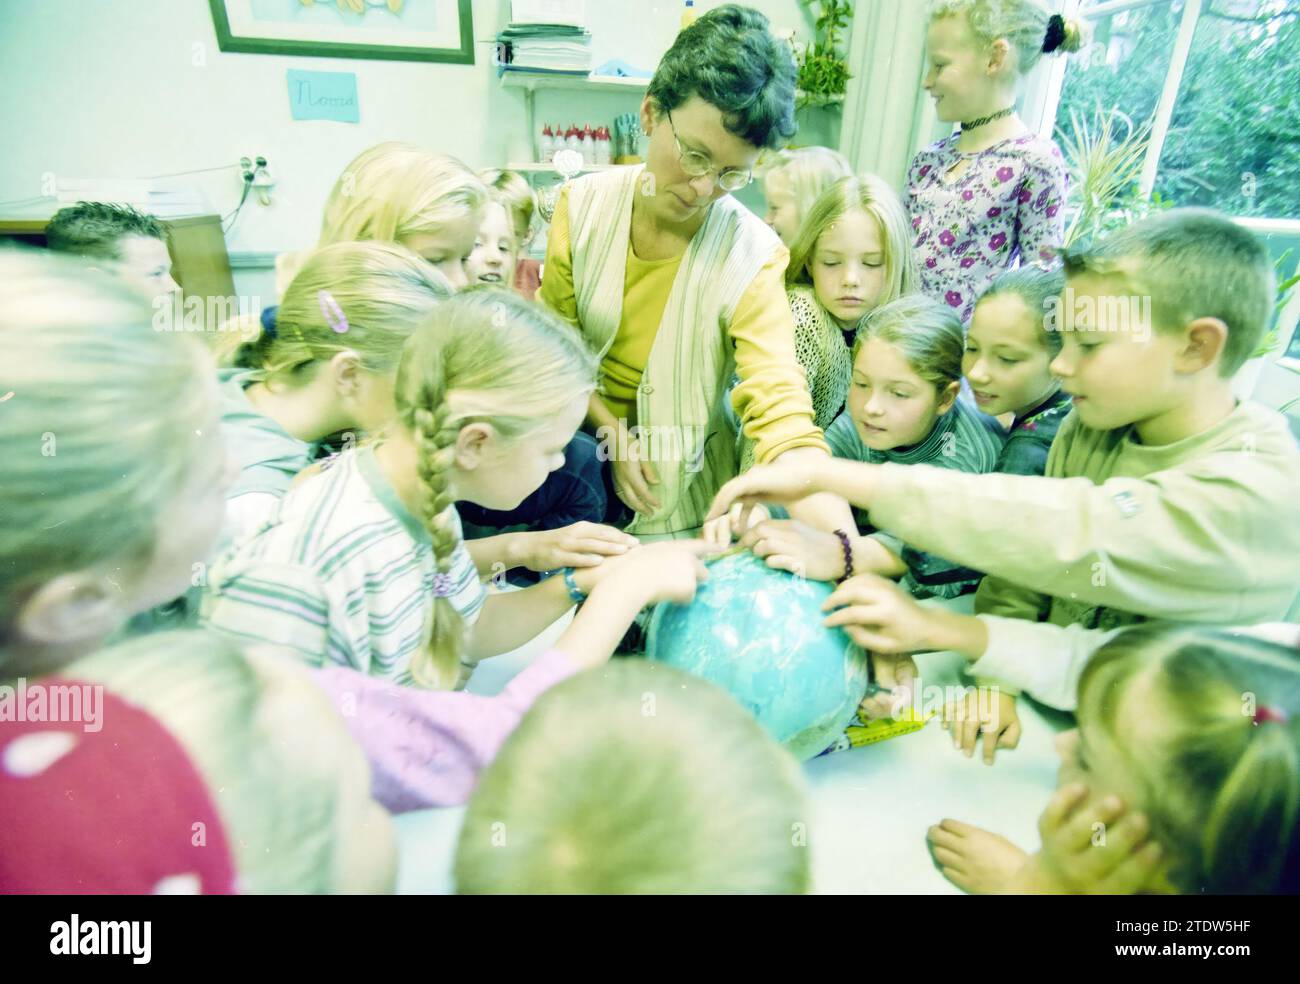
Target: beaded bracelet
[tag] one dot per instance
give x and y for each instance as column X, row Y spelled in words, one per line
column 575, row 593
column 848, row 555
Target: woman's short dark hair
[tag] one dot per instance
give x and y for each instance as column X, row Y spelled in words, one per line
column 732, row 61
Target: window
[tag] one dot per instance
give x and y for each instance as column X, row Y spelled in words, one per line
column 1219, row 81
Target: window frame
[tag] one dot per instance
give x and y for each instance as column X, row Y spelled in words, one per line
column 1043, row 99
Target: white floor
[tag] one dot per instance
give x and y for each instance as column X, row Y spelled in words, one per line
column 870, row 806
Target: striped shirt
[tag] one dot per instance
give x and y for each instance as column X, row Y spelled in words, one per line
column 342, row 574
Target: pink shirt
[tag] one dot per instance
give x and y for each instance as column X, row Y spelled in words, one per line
column 427, row 747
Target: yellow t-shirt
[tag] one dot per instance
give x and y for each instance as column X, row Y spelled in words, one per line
column 772, row 396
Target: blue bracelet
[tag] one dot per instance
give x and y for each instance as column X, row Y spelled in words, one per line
column 575, row 593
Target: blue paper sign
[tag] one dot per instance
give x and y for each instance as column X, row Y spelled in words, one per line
column 324, row 96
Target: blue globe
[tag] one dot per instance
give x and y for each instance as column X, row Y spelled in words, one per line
column 758, row 634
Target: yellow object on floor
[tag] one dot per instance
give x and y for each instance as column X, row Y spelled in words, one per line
column 883, row 729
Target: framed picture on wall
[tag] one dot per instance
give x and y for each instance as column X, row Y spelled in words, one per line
column 397, row 30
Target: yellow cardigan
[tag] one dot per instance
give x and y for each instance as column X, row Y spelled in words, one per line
column 772, row 389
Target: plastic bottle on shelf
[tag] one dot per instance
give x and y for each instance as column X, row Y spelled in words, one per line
column 573, row 138
column 547, row 145
column 688, row 14
column 588, row 146
column 603, row 155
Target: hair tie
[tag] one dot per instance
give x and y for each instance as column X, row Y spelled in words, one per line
column 442, row 585
column 1264, row 715
column 329, row 307
column 269, row 330
column 1055, row 34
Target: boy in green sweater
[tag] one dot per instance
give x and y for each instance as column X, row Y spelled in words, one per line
column 1164, row 498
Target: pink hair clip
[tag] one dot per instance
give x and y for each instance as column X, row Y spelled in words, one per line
column 1264, row 715
column 329, row 307
column 442, row 585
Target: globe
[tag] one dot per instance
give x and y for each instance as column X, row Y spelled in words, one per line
column 758, row 634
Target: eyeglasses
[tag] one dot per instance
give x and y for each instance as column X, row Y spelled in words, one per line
column 697, row 165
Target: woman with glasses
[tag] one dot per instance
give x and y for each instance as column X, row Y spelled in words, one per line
column 676, row 285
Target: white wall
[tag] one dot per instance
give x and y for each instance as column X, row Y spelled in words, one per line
column 135, row 88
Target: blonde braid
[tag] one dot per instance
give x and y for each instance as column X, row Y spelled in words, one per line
column 437, row 665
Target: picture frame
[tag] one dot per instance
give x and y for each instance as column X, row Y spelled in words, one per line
column 385, row 30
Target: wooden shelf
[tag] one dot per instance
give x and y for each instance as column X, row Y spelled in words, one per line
column 532, row 81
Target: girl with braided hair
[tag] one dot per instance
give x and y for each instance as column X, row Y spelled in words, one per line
column 364, row 565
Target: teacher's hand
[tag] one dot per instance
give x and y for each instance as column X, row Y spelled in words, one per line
column 633, row 478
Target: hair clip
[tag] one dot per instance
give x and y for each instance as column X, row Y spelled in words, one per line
column 1263, row 715
column 334, row 316
column 442, row 585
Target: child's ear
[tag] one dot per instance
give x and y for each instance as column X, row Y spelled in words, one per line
column 472, row 444
column 999, row 56
column 346, row 369
column 1204, row 340
column 948, row 397
column 72, row 608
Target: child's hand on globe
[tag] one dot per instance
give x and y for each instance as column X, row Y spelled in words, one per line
column 879, row 615
column 788, row 545
column 781, row 482
column 720, row 531
column 666, row 571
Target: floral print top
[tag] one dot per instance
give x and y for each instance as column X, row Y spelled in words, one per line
column 1007, row 205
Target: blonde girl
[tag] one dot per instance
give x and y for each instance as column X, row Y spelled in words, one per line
column 115, row 469
column 325, row 366
column 1188, row 751
column 398, row 192
column 794, row 180
column 364, row 565
column 504, row 234
column 1009, row 350
column 851, row 256
column 990, row 195
column 903, row 408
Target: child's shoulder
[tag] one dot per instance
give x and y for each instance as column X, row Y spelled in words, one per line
column 1032, row 150
column 332, row 514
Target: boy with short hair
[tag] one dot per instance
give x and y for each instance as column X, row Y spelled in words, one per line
column 129, row 243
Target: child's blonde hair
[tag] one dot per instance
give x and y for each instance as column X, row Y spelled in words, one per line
column 806, row 172
column 98, row 412
column 1221, row 786
column 873, row 195
column 365, row 297
column 1024, row 24
column 485, row 356
column 396, row 190
column 272, row 750
column 636, row 778
column 512, row 192
column 928, row 333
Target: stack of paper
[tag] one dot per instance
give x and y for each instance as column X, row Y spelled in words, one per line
column 546, row 36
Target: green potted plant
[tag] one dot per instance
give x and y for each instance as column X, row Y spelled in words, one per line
column 823, row 71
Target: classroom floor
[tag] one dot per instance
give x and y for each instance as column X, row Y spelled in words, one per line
column 870, row 806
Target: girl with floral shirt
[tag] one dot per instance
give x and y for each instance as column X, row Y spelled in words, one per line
column 990, row 195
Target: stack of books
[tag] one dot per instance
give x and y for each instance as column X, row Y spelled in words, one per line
column 546, row 36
